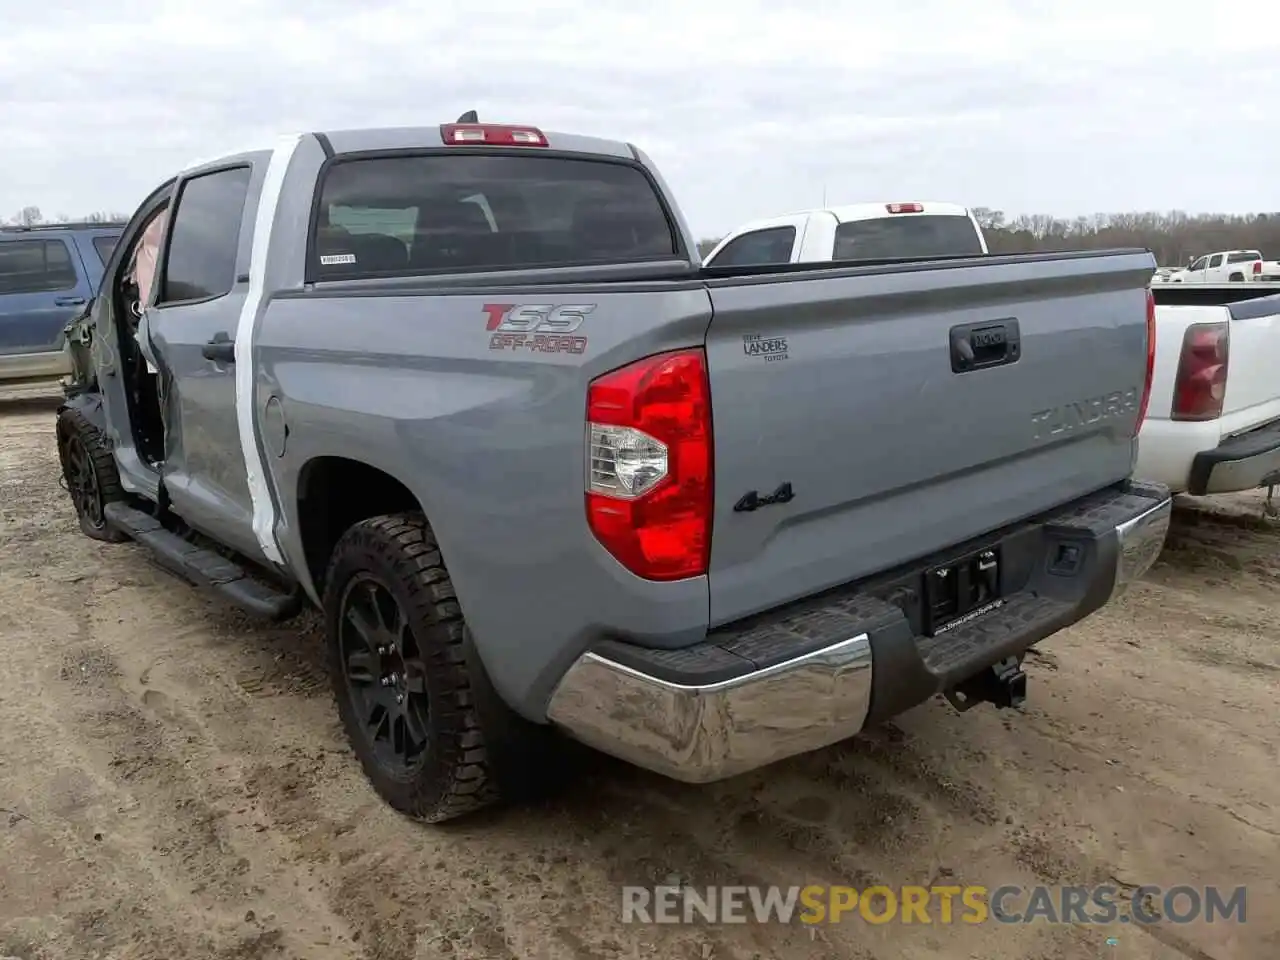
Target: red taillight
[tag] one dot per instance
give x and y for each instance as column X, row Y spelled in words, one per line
column 1201, row 383
column 649, row 479
column 491, row 135
column 904, row 207
column 1151, row 361
column 1257, row 267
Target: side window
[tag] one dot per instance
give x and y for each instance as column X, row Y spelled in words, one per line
column 201, row 260
column 1216, row 261
column 1243, row 256
column 103, row 247
column 1199, row 264
column 35, row 266
column 758, row 248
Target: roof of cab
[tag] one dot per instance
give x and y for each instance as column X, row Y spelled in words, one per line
column 94, row 229
column 854, row 211
column 411, row 138
column 871, row 211
column 360, row 139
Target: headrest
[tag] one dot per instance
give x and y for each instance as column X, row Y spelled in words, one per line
column 461, row 216
column 602, row 231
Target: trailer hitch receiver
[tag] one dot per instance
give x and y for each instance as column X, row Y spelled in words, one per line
column 1003, row 684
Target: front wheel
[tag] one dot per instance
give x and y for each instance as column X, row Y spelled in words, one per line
column 400, row 673
column 89, row 471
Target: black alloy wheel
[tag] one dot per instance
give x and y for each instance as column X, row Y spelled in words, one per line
column 82, row 483
column 385, row 674
column 433, row 736
column 89, row 471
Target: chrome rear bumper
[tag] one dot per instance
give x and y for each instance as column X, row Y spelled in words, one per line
column 704, row 732
column 1140, row 542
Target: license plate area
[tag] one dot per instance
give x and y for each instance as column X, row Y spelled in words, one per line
column 956, row 592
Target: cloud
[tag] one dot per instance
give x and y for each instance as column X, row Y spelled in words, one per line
column 750, row 107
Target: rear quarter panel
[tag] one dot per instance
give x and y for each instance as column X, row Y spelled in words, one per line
column 491, row 441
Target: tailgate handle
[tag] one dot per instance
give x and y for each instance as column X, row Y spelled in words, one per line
column 991, row 343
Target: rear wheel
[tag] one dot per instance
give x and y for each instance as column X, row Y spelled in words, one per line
column 89, row 470
column 406, row 690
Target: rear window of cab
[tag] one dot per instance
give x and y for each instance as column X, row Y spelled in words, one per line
column 408, row 215
column 915, row 236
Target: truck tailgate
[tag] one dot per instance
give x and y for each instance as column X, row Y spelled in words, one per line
column 850, row 437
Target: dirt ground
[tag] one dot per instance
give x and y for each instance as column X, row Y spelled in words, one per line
column 174, row 784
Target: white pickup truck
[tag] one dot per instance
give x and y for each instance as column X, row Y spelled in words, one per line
column 1230, row 266
column 1213, row 424
column 859, row 231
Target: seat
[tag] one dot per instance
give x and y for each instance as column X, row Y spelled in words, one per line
column 373, row 252
column 602, row 234
column 379, row 253
column 453, row 235
column 331, row 241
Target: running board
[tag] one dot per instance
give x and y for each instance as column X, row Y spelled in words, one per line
column 203, row 567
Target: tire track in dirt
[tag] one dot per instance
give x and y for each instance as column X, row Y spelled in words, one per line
column 144, row 749
column 150, row 756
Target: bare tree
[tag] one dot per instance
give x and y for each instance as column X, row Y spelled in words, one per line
column 987, row 218
column 31, row 217
column 103, row 216
column 1173, row 237
column 28, row 217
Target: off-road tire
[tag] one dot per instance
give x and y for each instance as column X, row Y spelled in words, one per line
column 457, row 775
column 73, row 427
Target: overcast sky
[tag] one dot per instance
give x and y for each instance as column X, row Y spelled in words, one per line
column 751, row 108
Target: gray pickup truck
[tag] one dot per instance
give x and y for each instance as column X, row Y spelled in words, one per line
column 468, row 390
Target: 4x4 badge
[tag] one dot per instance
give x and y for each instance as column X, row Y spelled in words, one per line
column 751, row 500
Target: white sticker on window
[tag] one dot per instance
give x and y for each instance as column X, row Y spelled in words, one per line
column 334, row 259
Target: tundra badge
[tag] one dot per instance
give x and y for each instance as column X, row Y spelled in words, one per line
column 1086, row 412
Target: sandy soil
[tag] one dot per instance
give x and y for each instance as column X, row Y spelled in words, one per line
column 174, row 783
